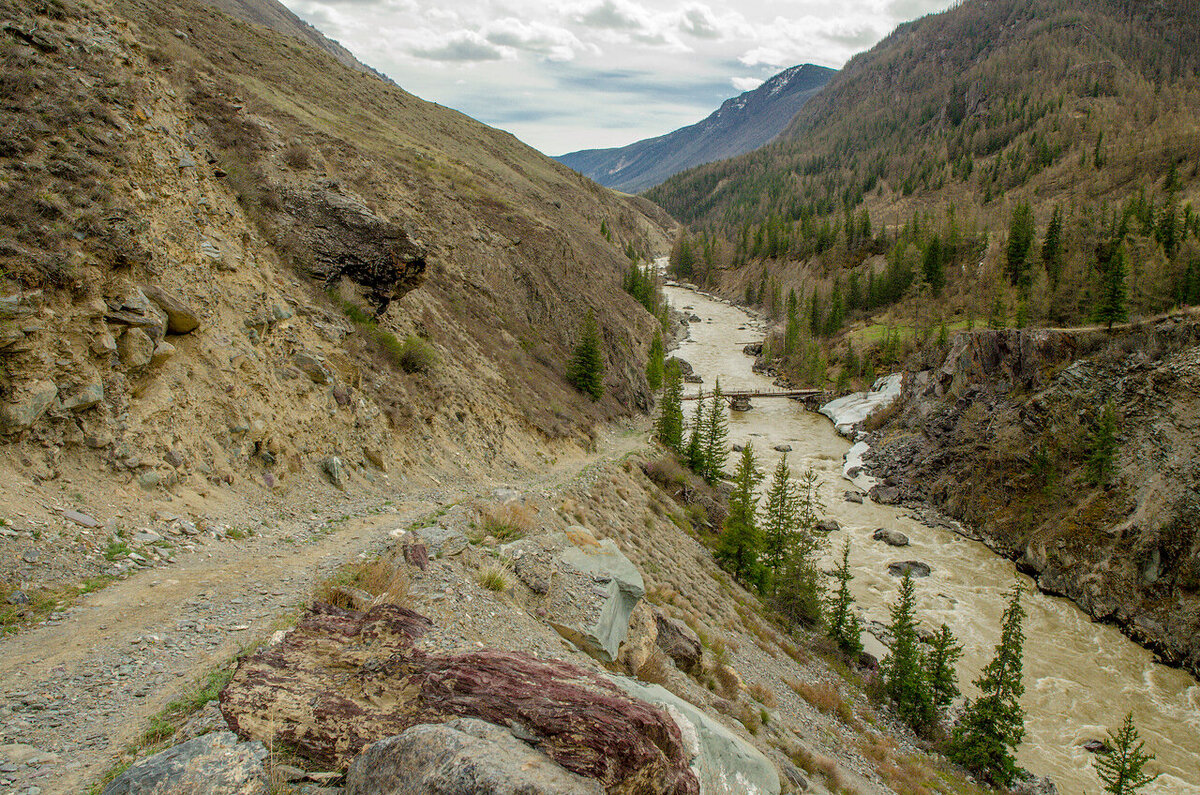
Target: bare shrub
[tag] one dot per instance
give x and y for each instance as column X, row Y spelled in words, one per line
column 297, row 156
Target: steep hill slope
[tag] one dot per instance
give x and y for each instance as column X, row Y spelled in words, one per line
column 740, row 125
column 357, row 284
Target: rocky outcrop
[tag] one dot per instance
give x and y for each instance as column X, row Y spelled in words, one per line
column 998, row 439
column 723, row 762
column 344, row 679
column 213, row 764
column 341, row 238
column 676, row 640
column 461, row 757
column 590, row 588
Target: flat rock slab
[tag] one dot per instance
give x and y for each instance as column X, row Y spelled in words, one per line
column 343, row 679
column 461, row 757
column 215, row 764
column 847, row 412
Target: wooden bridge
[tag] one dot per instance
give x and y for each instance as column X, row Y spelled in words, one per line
column 739, row 399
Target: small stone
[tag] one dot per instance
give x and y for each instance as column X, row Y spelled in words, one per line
column 313, row 366
column 149, row 479
column 332, row 467
column 31, row 556
column 783, row 448
column 162, row 352
column 181, row 318
column 136, row 348
column 173, row 458
column 186, row 161
column 854, row 496
column 18, row 598
column 85, row 398
column 78, row 518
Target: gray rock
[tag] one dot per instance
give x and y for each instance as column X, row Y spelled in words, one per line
column 461, row 757
column 136, row 348
column 214, row 764
column 162, row 352
column 506, row 495
column 677, row 641
column 18, row 598
column 181, row 318
column 332, row 467
column 892, row 538
column 783, row 448
column 137, row 311
column 723, row 762
column 854, row 496
column 914, row 568
column 206, row 720
column 313, row 366
column 442, row 542
column 31, row 404
column 884, row 495
column 185, row 160
column 591, row 588
column 149, row 479
column 78, row 518
column 828, row 526
column 85, row 398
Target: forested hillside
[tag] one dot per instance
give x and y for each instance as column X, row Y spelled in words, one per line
column 1011, row 162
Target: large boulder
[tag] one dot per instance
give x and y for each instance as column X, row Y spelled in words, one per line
column 343, row 679
column 462, row 757
column 893, row 538
column 913, row 568
column 28, row 407
column 213, row 764
column 181, row 318
column 677, row 641
column 884, row 495
column 723, row 762
column 590, row 587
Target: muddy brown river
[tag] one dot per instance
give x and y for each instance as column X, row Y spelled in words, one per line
column 1080, row 677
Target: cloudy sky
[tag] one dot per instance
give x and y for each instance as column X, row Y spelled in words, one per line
column 578, row 74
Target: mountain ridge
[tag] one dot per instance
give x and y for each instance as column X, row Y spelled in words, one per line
column 741, row 124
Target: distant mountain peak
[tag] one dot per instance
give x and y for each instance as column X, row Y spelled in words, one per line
column 741, row 124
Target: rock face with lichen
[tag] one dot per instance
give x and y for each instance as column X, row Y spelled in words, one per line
column 344, row 679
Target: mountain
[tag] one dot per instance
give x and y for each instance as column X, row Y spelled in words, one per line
column 740, row 125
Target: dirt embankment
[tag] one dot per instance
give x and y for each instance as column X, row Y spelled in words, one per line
column 1003, row 437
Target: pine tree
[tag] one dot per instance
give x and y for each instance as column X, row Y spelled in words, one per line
column 1112, row 306
column 1052, row 247
column 740, row 542
column 779, row 525
column 1020, row 239
column 586, row 369
column 1101, row 462
column 903, row 669
column 1120, row 769
column 654, row 367
column 791, row 336
column 844, row 627
column 799, row 592
column 668, row 428
column 714, row 435
column 939, row 668
column 694, row 453
column 992, row 725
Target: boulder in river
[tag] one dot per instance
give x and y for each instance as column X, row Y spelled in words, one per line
column 828, row 526
column 913, row 568
column 892, row 538
column 854, row 496
column 783, row 448
column 884, row 495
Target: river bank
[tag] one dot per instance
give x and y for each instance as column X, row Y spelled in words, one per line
column 1081, row 677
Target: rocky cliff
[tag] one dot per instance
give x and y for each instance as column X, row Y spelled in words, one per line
column 1001, row 437
column 233, row 266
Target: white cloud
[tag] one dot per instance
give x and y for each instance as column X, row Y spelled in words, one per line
column 744, row 84
column 572, row 74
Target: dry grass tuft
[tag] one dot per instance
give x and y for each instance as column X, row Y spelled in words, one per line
column 827, row 699
column 507, row 522
column 494, row 576
column 379, row 577
column 764, row 694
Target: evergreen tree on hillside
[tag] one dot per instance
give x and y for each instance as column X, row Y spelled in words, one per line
column 943, row 653
column 668, row 428
column 1120, row 768
column 843, row 624
column 799, row 594
column 1112, row 306
column 740, row 542
column 586, row 369
column 1020, row 239
column 1102, row 456
column 904, row 679
column 779, row 525
column 1052, row 248
column 791, row 336
column 694, row 452
column 654, row 367
column 714, row 436
column 992, row 725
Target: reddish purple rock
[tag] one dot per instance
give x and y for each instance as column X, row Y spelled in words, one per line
column 417, row 555
column 343, row 679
